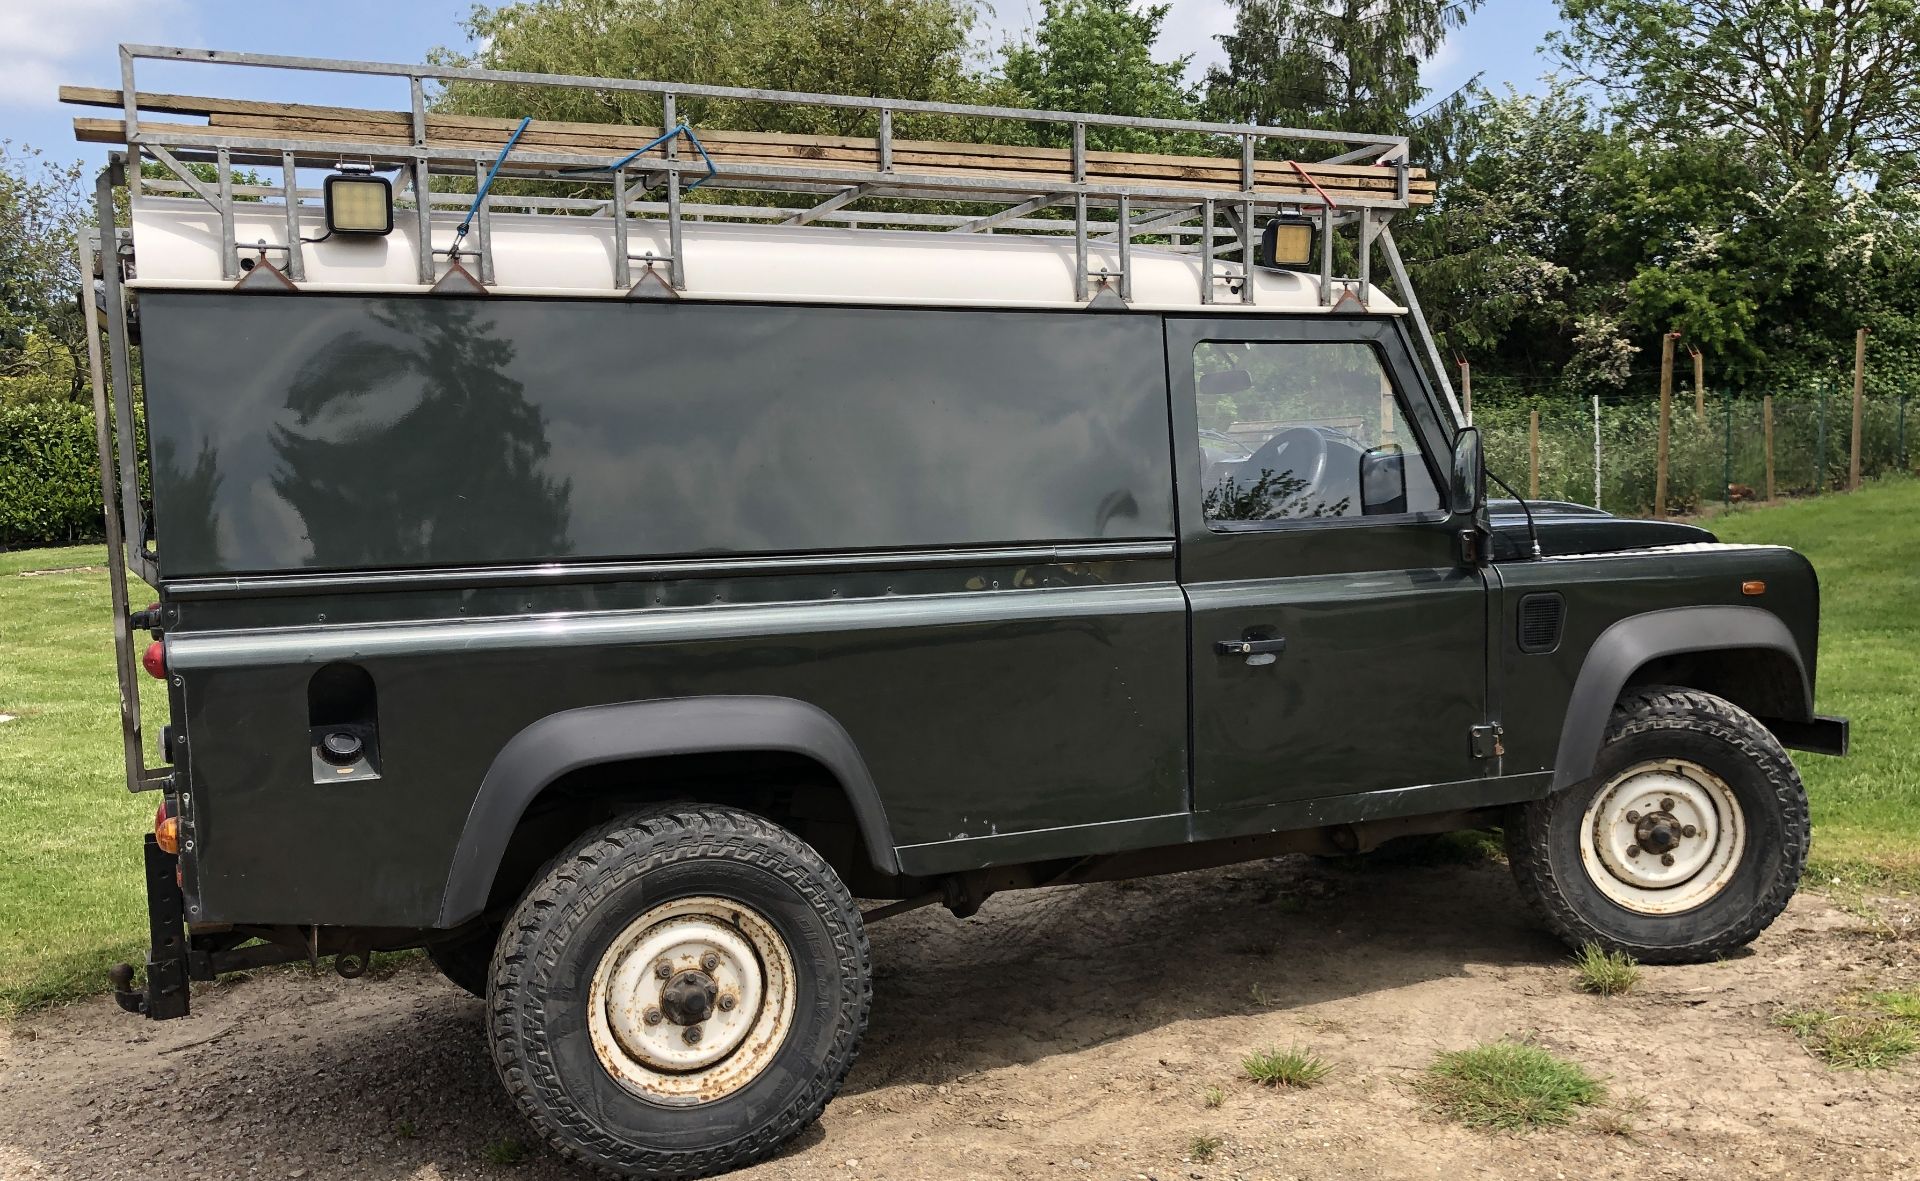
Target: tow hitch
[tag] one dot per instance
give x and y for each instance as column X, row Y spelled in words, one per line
column 165, row 994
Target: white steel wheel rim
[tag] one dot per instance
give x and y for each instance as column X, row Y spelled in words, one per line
column 648, row 1027
column 1663, row 837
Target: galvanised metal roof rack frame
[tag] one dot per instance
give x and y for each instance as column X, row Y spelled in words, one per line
column 1206, row 205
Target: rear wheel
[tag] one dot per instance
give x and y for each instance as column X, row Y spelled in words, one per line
column 680, row 993
column 1686, row 842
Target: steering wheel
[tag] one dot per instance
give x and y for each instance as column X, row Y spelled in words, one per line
column 1299, row 453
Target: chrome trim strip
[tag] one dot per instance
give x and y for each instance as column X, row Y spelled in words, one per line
column 193, row 651
column 557, row 573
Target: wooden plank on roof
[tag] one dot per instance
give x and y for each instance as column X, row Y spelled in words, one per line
column 807, row 146
column 342, row 128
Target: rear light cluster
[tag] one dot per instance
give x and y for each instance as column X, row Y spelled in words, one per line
column 166, row 828
column 154, row 659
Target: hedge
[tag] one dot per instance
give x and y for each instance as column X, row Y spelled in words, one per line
column 49, row 475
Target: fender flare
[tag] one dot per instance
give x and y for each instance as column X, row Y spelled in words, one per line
column 1632, row 642
column 576, row 738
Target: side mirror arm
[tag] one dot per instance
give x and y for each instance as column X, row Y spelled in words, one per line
column 1467, row 496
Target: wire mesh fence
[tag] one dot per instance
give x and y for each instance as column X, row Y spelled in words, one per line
column 1604, row 449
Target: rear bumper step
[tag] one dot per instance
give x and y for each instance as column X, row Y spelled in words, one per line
column 164, row 995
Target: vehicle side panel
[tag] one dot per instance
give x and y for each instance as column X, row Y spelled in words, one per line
column 952, row 531
column 978, row 712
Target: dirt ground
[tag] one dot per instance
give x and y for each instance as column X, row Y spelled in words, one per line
column 1060, row 1033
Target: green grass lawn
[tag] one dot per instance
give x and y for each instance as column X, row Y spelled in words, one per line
column 1866, row 546
column 71, row 899
column 70, row 880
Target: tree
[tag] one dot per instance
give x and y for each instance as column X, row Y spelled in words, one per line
column 1338, row 64
column 1097, row 56
column 1568, row 241
column 42, row 338
column 909, row 49
column 1830, row 86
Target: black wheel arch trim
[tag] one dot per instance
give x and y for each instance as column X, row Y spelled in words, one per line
column 591, row 735
column 1631, row 642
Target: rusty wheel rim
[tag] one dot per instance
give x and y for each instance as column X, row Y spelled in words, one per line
column 691, row 1001
column 1663, row 837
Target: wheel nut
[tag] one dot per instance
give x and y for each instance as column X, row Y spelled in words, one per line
column 663, row 969
column 692, row 1036
column 651, row 1016
column 1633, row 850
column 1633, row 818
column 709, row 962
column 1689, row 831
column 1666, row 805
column 727, row 1003
column 1666, row 859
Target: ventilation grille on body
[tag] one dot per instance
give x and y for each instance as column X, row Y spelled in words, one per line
column 1540, row 618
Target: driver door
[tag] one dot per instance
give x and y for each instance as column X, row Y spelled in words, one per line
column 1338, row 641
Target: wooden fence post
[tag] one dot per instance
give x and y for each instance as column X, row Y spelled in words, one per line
column 1699, row 387
column 1666, row 421
column 1533, row 454
column 1466, row 390
column 1859, row 404
column 1766, row 418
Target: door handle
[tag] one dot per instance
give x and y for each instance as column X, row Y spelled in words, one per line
column 1250, row 647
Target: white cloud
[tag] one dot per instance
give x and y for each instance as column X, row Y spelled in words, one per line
column 46, row 39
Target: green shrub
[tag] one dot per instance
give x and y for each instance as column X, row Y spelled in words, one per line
column 49, row 475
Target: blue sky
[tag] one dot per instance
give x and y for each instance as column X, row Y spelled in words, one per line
column 54, row 41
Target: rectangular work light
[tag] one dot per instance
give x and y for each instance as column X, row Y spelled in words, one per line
column 359, row 203
column 1287, row 244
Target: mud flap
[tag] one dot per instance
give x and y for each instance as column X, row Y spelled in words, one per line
column 165, row 995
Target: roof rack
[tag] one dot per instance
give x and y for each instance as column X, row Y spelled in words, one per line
column 1204, row 205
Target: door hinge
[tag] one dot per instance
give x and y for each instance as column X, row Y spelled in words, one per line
column 1487, row 742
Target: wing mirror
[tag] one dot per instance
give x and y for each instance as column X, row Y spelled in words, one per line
column 1383, row 481
column 1467, row 490
column 1227, row 381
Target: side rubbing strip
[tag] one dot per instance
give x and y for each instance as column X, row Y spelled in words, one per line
column 189, row 651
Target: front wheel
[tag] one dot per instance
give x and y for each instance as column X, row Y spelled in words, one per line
column 681, row 993
column 1686, row 842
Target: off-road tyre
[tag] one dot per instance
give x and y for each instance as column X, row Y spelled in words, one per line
column 1543, row 838
column 537, row 1001
column 466, row 959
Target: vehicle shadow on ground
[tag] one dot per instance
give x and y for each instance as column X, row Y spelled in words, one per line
column 1056, row 971
column 303, row 1075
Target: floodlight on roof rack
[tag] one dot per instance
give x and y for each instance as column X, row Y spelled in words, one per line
column 358, row 202
column 1287, row 243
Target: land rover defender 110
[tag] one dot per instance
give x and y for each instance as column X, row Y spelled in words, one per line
column 604, row 591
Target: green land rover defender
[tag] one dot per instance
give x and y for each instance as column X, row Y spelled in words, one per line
column 603, row 592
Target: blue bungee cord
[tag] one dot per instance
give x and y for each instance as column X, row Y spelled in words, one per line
column 466, row 222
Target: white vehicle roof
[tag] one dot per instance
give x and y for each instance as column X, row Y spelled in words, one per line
column 178, row 245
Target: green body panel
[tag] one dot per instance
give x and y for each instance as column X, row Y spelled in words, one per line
column 1602, row 589
column 1384, row 669
column 978, row 713
column 1000, row 586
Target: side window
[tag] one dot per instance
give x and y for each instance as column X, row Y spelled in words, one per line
column 1294, row 429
